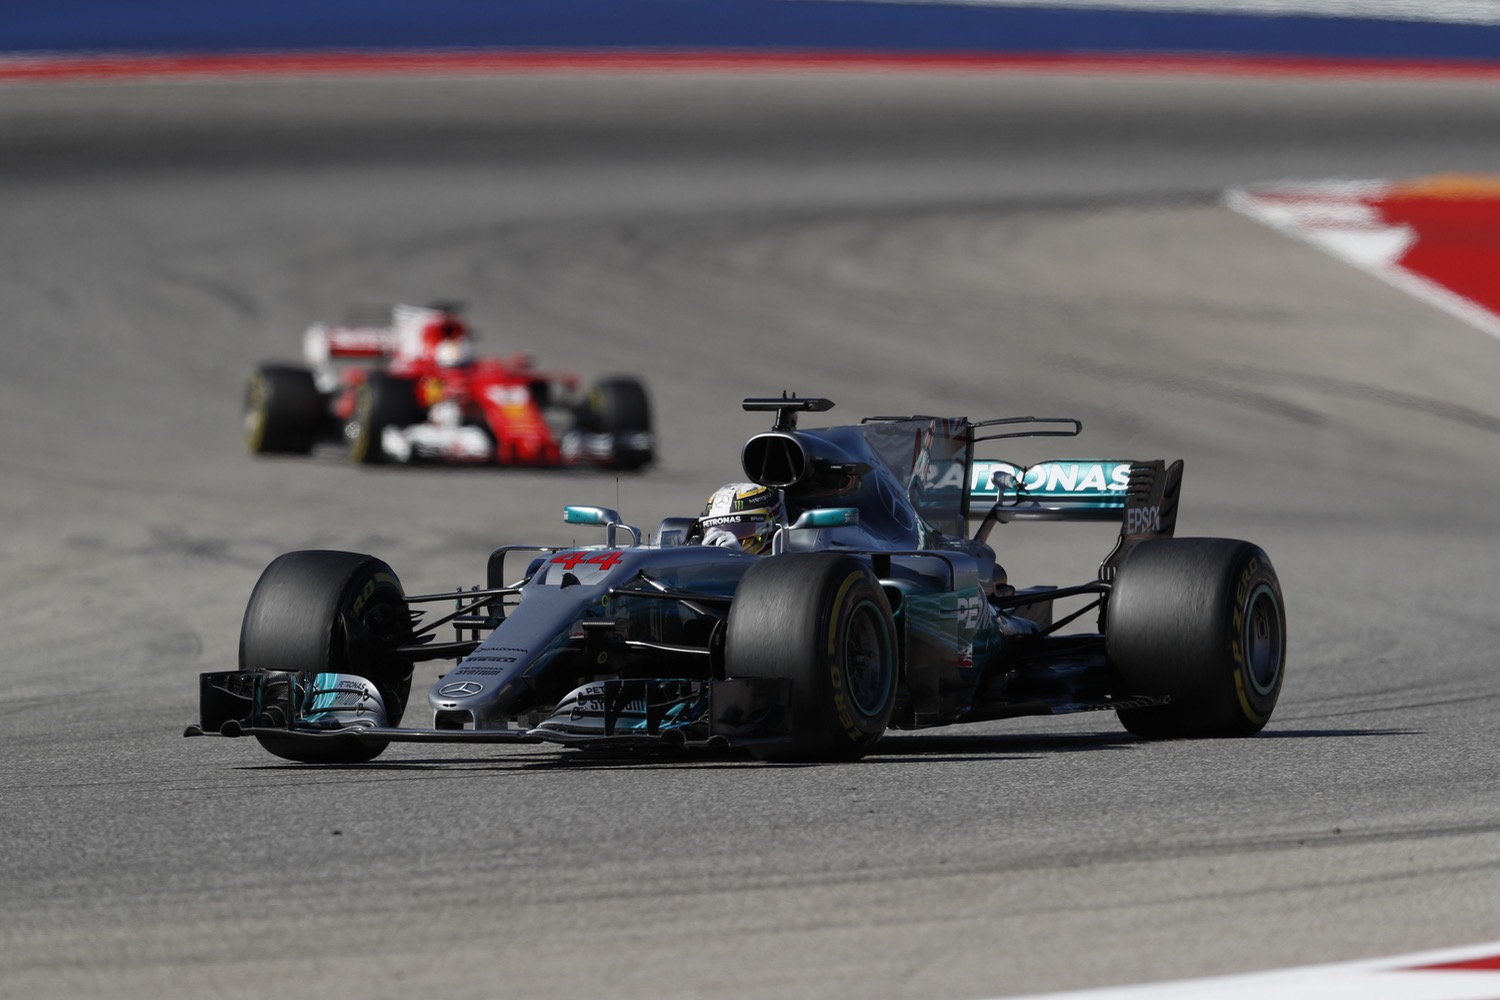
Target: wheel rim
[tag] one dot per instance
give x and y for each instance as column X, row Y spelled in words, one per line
column 1263, row 641
column 867, row 660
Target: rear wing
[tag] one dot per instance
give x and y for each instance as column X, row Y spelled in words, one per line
column 1141, row 496
column 1081, row 490
column 366, row 336
column 323, row 343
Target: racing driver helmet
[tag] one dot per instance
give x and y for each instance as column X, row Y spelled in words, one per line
column 743, row 514
column 447, row 342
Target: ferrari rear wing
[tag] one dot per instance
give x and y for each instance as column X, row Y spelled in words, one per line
column 323, row 342
column 365, row 336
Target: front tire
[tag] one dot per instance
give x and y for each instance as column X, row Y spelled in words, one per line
column 820, row 620
column 618, row 406
column 381, row 401
column 1201, row 621
column 321, row 611
column 283, row 411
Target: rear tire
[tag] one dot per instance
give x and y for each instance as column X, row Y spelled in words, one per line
column 619, row 406
column 1199, row 620
column 381, row 401
column 321, row 611
column 820, row 620
column 283, row 411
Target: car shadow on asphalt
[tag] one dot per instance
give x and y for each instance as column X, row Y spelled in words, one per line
column 900, row 748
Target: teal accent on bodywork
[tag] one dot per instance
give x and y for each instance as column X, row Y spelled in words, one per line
column 330, row 696
column 588, row 515
column 323, row 699
column 682, row 713
column 828, row 517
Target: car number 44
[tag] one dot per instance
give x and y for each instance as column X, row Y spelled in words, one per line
column 603, row 560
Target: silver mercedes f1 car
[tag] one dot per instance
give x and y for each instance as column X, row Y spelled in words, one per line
column 876, row 608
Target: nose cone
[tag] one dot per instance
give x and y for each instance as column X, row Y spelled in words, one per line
column 488, row 682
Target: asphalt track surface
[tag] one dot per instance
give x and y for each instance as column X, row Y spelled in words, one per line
column 981, row 245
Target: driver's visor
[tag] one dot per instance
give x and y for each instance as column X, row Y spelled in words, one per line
column 742, row 526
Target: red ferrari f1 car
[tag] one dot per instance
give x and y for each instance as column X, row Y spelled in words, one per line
column 421, row 394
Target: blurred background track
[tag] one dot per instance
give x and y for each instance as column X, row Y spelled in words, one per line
column 983, row 244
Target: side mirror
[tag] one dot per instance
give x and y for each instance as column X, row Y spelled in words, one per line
column 674, row 531
column 590, row 515
column 609, row 519
column 822, row 517
column 827, row 517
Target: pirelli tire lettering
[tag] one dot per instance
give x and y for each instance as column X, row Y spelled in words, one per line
column 858, row 651
column 1257, row 641
column 1201, row 622
column 820, row 621
column 368, row 591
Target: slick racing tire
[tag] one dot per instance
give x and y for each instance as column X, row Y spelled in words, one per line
column 381, row 401
column 820, row 620
column 284, row 411
column 1200, row 621
column 320, row 611
column 619, row 406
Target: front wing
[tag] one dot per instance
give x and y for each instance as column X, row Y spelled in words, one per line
column 626, row 713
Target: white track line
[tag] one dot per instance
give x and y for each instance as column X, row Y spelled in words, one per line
column 1330, row 216
column 1400, row 978
column 1451, row 11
